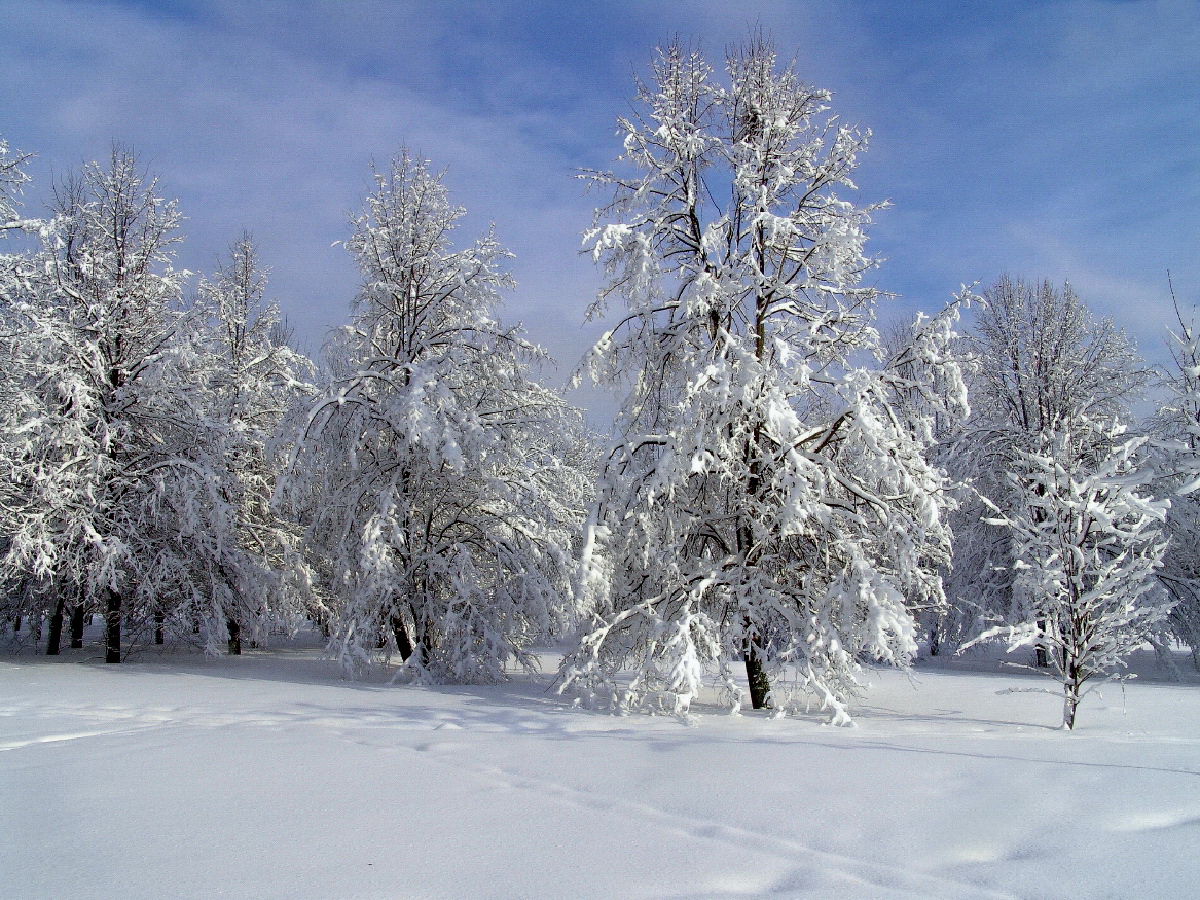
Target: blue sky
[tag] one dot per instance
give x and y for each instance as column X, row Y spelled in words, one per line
column 1045, row 139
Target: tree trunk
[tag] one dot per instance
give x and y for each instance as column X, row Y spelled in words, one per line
column 77, row 625
column 425, row 637
column 235, row 637
column 54, row 639
column 400, row 633
column 112, row 626
column 1070, row 705
column 1072, row 689
column 159, row 619
column 760, row 684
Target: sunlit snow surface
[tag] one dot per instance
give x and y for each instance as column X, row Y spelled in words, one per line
column 267, row 776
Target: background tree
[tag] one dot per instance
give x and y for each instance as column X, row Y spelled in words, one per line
column 766, row 499
column 253, row 381
column 107, row 496
column 943, row 622
column 430, row 467
column 1088, row 544
column 12, row 181
column 1044, row 368
column 1178, row 426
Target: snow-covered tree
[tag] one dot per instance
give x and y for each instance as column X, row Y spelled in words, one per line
column 439, row 505
column 1043, row 366
column 106, row 495
column 13, row 179
column 1088, row 542
column 253, row 381
column 767, row 498
column 942, row 622
column 1178, row 427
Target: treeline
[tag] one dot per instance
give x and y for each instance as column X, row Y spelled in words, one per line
column 788, row 491
column 173, row 465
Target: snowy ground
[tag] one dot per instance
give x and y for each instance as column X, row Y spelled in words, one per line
column 267, row 776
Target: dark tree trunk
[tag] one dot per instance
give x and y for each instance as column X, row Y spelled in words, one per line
column 54, row 639
column 760, row 684
column 77, row 626
column 235, row 637
column 400, row 633
column 159, row 618
column 1070, row 703
column 426, row 637
column 756, row 675
column 112, row 626
column 322, row 623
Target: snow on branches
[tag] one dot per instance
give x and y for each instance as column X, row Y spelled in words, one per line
column 127, row 479
column 100, row 485
column 1088, row 543
column 1177, row 428
column 253, row 381
column 433, row 469
column 12, row 180
column 1043, row 366
column 767, row 499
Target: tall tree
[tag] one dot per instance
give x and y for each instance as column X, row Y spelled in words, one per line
column 253, row 380
column 101, row 488
column 766, row 500
column 438, row 502
column 12, row 180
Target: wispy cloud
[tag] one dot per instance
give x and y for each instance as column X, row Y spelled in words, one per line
column 1044, row 139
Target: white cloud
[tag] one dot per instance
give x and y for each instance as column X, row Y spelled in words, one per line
column 1051, row 140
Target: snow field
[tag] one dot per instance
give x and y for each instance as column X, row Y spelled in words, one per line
column 268, row 776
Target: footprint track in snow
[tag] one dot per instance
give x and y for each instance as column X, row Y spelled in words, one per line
column 882, row 878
